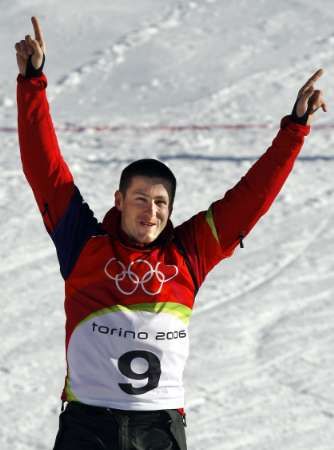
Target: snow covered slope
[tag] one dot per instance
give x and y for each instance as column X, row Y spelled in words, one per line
column 172, row 77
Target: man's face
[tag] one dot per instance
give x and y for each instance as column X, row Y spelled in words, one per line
column 145, row 208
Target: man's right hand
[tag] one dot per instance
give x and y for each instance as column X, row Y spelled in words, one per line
column 31, row 47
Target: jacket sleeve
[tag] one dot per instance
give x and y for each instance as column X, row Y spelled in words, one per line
column 212, row 235
column 68, row 219
column 43, row 165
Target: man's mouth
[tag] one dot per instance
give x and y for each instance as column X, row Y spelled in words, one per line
column 146, row 224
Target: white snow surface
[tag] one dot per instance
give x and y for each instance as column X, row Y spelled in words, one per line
column 261, row 368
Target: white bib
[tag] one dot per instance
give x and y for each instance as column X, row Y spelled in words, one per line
column 130, row 358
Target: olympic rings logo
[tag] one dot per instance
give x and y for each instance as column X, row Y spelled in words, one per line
column 128, row 281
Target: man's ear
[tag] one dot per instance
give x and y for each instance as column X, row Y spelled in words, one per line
column 119, row 200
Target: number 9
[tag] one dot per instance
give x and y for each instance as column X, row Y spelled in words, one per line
column 152, row 374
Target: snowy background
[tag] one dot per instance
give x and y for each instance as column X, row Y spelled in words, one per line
column 261, row 369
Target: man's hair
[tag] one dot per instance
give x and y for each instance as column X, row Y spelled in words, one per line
column 147, row 167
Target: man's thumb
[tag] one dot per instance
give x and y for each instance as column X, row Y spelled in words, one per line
column 302, row 101
column 37, row 56
column 35, row 45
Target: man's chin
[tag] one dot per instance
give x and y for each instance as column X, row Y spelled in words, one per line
column 147, row 236
column 145, row 240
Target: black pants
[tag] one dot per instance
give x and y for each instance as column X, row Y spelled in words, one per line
column 84, row 427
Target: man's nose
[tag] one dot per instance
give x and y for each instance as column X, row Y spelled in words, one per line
column 151, row 208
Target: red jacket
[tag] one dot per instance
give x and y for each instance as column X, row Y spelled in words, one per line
column 128, row 308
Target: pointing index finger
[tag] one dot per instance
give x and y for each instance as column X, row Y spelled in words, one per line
column 315, row 77
column 37, row 30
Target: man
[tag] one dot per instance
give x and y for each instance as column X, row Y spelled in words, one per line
column 130, row 281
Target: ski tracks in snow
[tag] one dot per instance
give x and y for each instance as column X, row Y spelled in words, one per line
column 261, row 352
column 116, row 54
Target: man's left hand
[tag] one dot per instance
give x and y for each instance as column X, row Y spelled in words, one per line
column 309, row 100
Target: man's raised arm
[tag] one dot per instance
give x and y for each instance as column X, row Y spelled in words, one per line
column 43, row 164
column 213, row 235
